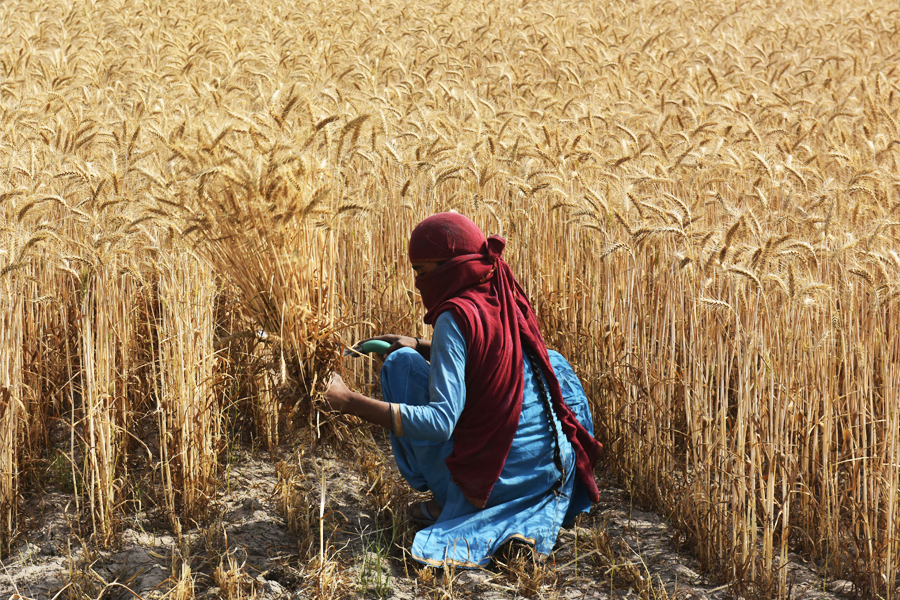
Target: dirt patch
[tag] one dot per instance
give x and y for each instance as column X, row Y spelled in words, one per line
column 247, row 551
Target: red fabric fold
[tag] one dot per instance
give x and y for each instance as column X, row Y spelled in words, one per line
column 477, row 286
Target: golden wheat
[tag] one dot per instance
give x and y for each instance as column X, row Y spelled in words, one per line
column 701, row 203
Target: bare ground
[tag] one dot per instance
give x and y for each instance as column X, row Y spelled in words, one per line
column 247, row 551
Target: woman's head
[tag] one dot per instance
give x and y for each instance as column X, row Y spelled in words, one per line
column 450, row 255
column 444, row 236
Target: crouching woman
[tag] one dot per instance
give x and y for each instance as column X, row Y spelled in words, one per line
column 483, row 415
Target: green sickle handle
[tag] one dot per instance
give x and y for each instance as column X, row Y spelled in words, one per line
column 376, row 346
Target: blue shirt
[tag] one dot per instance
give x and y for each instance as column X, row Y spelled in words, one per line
column 436, row 420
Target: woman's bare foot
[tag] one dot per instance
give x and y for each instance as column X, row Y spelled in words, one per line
column 434, row 511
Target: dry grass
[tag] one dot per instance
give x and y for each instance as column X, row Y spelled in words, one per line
column 10, row 400
column 233, row 582
column 525, row 572
column 183, row 587
column 299, row 494
column 702, row 202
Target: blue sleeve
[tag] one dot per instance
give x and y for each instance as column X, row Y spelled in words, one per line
column 436, row 420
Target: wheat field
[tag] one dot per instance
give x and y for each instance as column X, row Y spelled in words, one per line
column 202, row 202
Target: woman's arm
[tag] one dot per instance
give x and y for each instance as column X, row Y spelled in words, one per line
column 436, row 420
column 340, row 398
column 433, row 420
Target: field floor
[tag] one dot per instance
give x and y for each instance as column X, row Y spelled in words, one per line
column 622, row 552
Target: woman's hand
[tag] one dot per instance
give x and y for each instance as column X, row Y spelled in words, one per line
column 337, row 396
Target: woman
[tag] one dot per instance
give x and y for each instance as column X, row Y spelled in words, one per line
column 483, row 416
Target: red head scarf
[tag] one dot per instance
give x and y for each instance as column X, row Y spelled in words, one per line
column 478, row 288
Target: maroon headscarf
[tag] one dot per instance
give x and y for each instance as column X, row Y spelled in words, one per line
column 478, row 288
